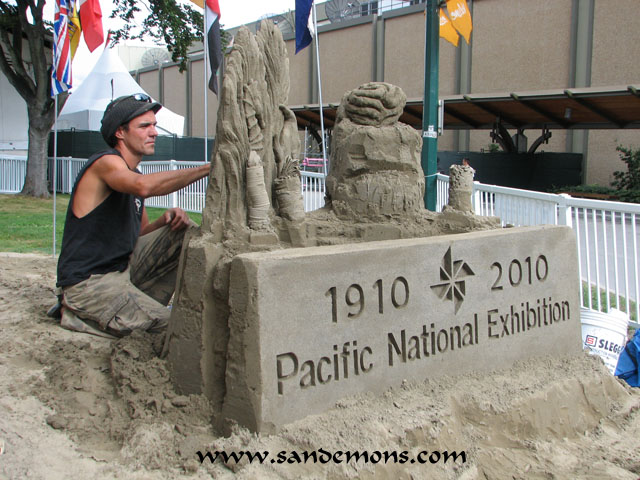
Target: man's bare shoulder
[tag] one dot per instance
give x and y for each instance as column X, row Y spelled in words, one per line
column 101, row 169
column 110, row 161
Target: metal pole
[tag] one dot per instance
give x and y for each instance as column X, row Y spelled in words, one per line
column 55, row 169
column 430, row 103
column 205, row 58
column 324, row 148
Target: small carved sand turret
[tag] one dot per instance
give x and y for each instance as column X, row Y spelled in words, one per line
column 461, row 188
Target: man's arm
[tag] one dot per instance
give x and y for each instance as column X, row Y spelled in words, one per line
column 114, row 171
column 176, row 218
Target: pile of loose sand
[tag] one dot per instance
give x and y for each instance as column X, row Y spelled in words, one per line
column 75, row 406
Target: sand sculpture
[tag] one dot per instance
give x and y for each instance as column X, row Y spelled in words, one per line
column 254, row 202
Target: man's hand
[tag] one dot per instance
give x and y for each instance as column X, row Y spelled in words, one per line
column 176, row 218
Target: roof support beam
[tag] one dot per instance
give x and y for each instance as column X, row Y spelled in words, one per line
column 493, row 111
column 597, row 110
column 634, row 90
column 545, row 113
column 461, row 117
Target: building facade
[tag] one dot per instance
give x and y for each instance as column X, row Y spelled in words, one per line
column 516, row 46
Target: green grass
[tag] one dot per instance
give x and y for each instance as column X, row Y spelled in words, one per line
column 26, row 223
column 613, row 301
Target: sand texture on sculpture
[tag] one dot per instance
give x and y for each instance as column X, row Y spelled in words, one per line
column 374, row 314
column 254, row 201
column 73, row 407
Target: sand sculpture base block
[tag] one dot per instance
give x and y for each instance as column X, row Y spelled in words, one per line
column 310, row 326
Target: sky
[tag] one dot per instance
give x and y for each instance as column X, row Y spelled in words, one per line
column 239, row 12
column 232, row 14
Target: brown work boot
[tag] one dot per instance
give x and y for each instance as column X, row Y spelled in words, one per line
column 71, row 321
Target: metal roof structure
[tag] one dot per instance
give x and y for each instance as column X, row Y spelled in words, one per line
column 573, row 108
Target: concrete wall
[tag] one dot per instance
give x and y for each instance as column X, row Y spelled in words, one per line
column 300, row 73
column 149, row 81
column 174, row 93
column 197, row 103
column 345, row 60
column 616, row 36
column 404, row 53
column 523, row 46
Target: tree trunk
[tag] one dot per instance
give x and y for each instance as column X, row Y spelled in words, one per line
column 40, row 121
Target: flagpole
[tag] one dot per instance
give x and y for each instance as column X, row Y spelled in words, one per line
column 324, row 148
column 429, row 156
column 205, row 58
column 55, row 168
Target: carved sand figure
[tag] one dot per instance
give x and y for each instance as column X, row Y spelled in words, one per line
column 376, row 162
column 254, row 201
column 375, row 187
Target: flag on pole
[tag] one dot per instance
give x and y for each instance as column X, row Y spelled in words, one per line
column 447, row 31
column 214, row 43
column 460, row 17
column 91, row 21
column 304, row 27
column 75, row 30
column 61, row 68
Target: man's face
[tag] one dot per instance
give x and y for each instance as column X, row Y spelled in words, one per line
column 140, row 136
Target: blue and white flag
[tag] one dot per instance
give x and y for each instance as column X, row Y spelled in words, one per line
column 304, row 25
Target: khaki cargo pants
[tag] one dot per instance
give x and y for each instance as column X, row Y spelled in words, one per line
column 136, row 299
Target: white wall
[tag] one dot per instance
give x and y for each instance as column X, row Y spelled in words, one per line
column 13, row 117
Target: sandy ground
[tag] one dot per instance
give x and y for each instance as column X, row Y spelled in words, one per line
column 74, row 406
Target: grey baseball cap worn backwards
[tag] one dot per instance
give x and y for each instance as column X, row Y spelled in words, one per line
column 122, row 110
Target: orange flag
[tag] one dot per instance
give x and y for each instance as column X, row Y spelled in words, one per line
column 446, row 29
column 460, row 17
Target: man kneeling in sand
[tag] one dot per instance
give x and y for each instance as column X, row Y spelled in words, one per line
column 117, row 271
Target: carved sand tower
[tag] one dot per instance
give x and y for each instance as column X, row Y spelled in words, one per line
column 271, row 333
column 253, row 203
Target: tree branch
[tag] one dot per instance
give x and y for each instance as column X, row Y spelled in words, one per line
column 11, row 60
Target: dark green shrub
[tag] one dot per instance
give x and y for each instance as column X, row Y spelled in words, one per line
column 629, row 180
column 629, row 196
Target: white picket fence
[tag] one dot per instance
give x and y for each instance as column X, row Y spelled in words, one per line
column 13, row 170
column 606, row 236
column 606, row 232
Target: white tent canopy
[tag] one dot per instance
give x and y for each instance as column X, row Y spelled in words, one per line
column 109, row 79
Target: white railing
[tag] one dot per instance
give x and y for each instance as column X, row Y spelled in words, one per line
column 313, row 190
column 13, row 170
column 606, row 236
column 67, row 170
column 190, row 198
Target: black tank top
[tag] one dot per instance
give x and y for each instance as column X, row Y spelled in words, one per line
column 101, row 241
